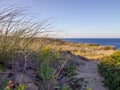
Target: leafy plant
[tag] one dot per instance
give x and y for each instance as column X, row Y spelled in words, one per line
column 70, row 71
column 3, row 83
column 66, row 88
column 21, row 87
column 109, row 68
column 45, row 71
column 1, row 68
column 78, row 83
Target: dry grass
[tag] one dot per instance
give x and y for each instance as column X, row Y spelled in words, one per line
column 89, row 51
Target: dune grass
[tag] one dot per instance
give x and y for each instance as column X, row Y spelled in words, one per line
column 18, row 42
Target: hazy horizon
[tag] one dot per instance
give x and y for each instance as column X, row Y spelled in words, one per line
column 78, row 18
column 91, row 37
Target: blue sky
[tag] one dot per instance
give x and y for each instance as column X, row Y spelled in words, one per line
column 77, row 18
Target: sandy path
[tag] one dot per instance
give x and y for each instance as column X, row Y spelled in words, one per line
column 90, row 72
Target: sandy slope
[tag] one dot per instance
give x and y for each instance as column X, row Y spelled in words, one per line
column 90, row 72
column 88, row 69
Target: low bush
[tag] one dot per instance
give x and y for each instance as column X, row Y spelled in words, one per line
column 109, row 68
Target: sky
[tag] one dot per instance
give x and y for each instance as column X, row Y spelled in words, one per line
column 77, row 18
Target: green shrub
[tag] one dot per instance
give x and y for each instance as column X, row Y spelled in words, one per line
column 21, row 87
column 65, row 88
column 45, row 71
column 109, row 68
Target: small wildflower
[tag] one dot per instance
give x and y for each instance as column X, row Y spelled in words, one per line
column 10, row 83
column 46, row 49
column 89, row 88
column 21, row 87
column 0, row 48
column 7, row 87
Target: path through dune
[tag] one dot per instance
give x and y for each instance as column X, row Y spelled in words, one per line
column 89, row 70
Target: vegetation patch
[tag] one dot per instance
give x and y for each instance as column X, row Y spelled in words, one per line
column 27, row 62
column 109, row 68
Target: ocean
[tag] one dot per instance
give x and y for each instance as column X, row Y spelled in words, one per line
column 101, row 41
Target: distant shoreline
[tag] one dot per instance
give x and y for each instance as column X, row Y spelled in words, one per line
column 88, row 38
column 86, row 50
column 99, row 41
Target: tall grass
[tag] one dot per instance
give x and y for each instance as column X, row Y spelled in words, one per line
column 17, row 35
column 16, row 32
column 18, row 38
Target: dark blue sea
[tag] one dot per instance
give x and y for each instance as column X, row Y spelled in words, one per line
column 101, row 41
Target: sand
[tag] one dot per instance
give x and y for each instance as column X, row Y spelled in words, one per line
column 89, row 71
